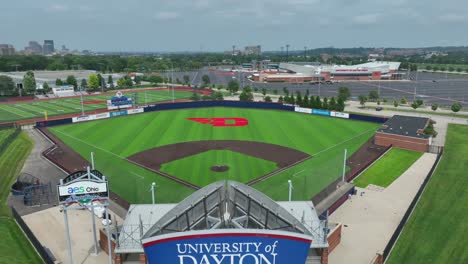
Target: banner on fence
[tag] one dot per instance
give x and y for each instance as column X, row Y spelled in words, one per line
column 339, row 114
column 90, row 117
column 303, row 110
column 81, row 119
column 320, row 112
column 118, row 113
column 135, row 111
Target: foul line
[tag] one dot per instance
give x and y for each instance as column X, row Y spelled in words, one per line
column 336, row 145
column 91, row 145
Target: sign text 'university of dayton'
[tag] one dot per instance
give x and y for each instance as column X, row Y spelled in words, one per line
column 223, row 247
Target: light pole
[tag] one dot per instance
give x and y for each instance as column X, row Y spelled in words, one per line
column 172, row 81
column 281, row 57
column 305, row 53
column 153, row 185
column 290, row 189
column 287, row 52
column 344, row 164
column 81, row 96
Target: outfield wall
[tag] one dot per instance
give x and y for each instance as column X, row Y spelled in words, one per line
column 204, row 104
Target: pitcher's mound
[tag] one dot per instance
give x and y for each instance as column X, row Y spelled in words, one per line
column 219, row 168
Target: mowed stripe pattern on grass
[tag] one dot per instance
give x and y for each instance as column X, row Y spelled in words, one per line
column 388, row 168
column 26, row 110
column 196, row 169
column 129, row 135
column 437, row 230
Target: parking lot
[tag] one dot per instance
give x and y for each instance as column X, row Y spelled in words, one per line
column 443, row 89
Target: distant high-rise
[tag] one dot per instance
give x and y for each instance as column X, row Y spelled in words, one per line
column 34, row 47
column 253, row 50
column 48, row 47
column 6, row 50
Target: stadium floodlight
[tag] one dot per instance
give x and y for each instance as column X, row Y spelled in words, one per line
column 153, row 185
column 290, row 189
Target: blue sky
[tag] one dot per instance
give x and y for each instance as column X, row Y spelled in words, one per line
column 216, row 25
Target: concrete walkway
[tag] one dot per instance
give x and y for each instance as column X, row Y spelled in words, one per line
column 370, row 220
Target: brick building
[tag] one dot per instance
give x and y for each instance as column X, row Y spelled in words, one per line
column 406, row 132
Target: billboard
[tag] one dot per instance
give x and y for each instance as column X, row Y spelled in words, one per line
column 119, row 101
column 228, row 246
column 339, row 114
column 320, row 112
column 82, row 191
column 303, row 110
column 90, row 117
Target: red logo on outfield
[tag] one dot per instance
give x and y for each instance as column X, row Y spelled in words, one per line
column 222, row 121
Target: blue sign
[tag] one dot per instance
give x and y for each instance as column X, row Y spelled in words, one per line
column 123, row 100
column 320, row 112
column 118, row 113
column 228, row 246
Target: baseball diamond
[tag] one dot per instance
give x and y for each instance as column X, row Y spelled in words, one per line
column 177, row 153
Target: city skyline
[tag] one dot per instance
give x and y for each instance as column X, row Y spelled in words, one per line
column 207, row 25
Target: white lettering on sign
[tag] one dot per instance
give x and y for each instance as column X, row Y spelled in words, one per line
column 227, row 253
column 84, row 187
column 303, row 110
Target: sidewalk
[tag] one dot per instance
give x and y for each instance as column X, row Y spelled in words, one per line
column 370, row 220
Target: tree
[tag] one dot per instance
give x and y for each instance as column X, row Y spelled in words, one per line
column 305, row 100
column 456, row 107
column 318, row 102
column 280, row 99
column 71, row 80
column 362, row 100
column 155, row 79
column 58, row 82
column 275, row 91
column 110, row 81
column 268, row 99
column 414, row 105
column 233, row 86
column 93, row 81
column 332, row 104
column 195, row 97
column 378, row 102
column 7, row 86
column 403, row 100
column 186, row 79
column 299, row 99
column 264, row 91
column 29, row 82
column 434, row 107
column 206, row 79
column 84, row 84
column 325, row 103
column 246, row 95
column 217, row 96
column 373, row 95
column 219, row 87
column 344, row 93
column 395, row 103
column 46, row 88
column 419, row 102
column 285, row 91
column 340, row 104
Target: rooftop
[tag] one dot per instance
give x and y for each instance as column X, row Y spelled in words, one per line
column 409, row 126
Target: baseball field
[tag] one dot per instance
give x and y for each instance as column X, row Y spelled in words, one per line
column 437, row 230
column 135, row 151
column 28, row 110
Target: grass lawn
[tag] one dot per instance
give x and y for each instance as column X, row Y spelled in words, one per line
column 27, row 110
column 196, row 169
column 4, row 133
column 437, row 230
column 388, row 168
column 113, row 140
column 14, row 246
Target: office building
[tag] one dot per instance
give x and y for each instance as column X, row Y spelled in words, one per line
column 7, row 50
column 48, row 47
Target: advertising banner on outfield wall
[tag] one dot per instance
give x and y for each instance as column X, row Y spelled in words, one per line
column 320, row 112
column 339, row 114
column 118, row 113
column 90, row 117
column 228, row 246
column 135, row 111
column 303, row 110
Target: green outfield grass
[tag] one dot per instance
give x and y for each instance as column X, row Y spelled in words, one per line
column 196, row 169
column 388, row 168
column 28, row 110
column 437, row 230
column 115, row 139
column 4, row 133
column 14, row 246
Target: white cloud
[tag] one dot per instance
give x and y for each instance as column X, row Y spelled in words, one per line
column 367, row 19
column 167, row 15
